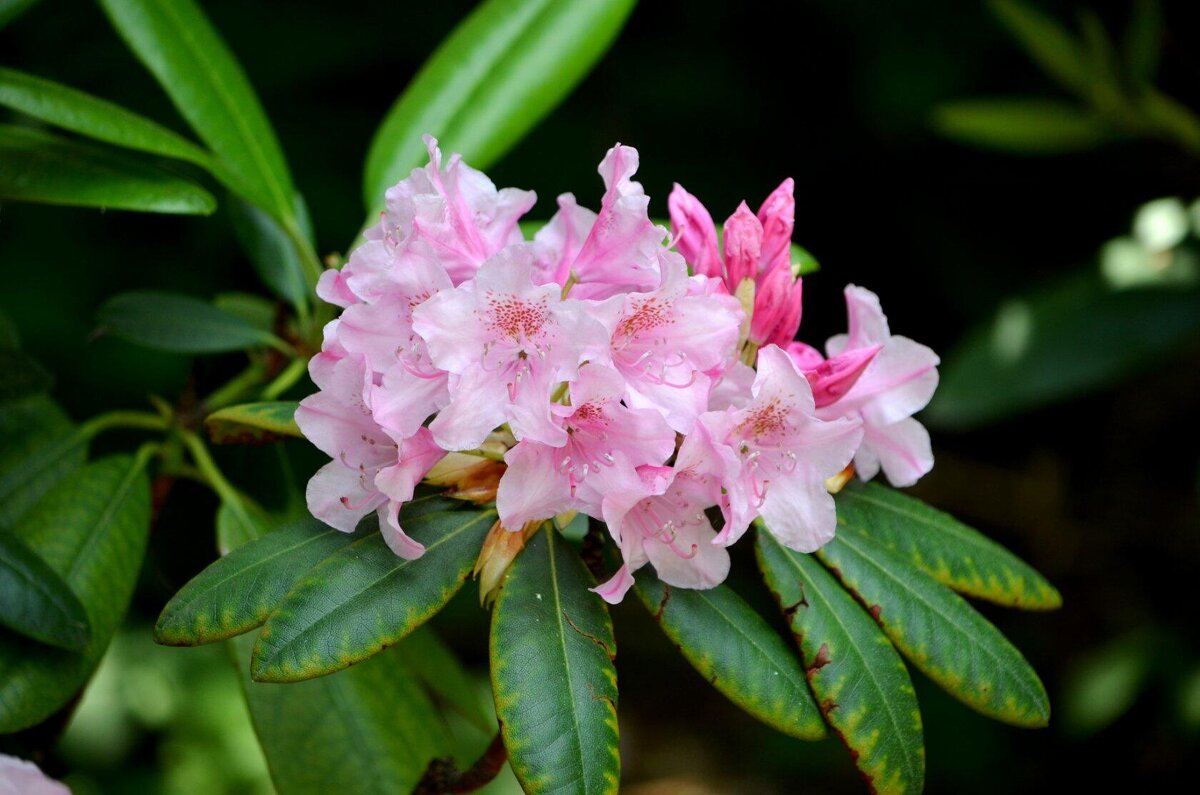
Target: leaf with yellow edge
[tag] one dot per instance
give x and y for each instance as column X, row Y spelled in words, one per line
column 553, row 678
column 939, row 632
column 858, row 678
column 944, row 548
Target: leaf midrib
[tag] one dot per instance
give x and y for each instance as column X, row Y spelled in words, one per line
column 100, row 527
column 887, row 701
column 560, row 616
column 738, row 629
column 239, row 572
column 280, row 647
column 918, row 596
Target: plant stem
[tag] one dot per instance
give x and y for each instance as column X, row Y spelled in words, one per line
column 208, row 469
column 241, row 383
column 285, row 380
column 142, row 420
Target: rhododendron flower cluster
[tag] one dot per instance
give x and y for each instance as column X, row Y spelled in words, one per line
column 643, row 376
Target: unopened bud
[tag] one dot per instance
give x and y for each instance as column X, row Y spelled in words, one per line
column 467, row 477
column 499, row 550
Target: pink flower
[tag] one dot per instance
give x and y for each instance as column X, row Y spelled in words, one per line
column 456, row 210
column 370, row 469
column 658, row 517
column 772, row 456
column 757, row 248
column 669, row 344
column 831, row 378
column 506, row 343
column 615, row 251
column 897, row 382
column 542, row 481
column 18, row 777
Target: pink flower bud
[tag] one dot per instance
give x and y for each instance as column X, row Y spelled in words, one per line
column 743, row 243
column 775, row 305
column 697, row 236
column 777, row 216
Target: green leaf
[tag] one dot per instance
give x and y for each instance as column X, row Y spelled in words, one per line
column 11, row 9
column 1142, row 46
column 179, row 324
column 859, row 680
column 240, row 522
column 254, row 309
column 236, row 593
column 553, row 679
column 436, row 665
column 738, row 652
column 180, row 47
column 35, row 601
column 21, row 375
column 1023, row 126
column 271, row 252
column 944, row 548
column 363, row 598
column 497, row 75
column 1073, row 337
column 38, row 448
column 96, row 118
column 939, row 632
column 369, row 730
column 91, row 529
column 39, row 167
column 252, row 423
column 1048, row 43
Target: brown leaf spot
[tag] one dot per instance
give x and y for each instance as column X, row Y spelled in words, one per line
column 822, row 659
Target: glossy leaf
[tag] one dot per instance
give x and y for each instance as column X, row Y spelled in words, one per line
column 1023, row 126
column 21, row 375
column 435, row 664
column 38, row 448
column 1075, row 336
column 858, row 679
column 180, row 47
column 252, row 423
column 369, row 730
column 40, row 167
column 1047, row 42
column 364, row 598
column 939, row 632
column 236, row 593
column 555, row 686
column 944, row 548
column 178, row 323
column 497, row 75
column 735, row 649
column 35, row 601
column 271, row 252
column 91, row 529
column 82, row 113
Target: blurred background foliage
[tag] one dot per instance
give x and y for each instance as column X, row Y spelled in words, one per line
column 999, row 182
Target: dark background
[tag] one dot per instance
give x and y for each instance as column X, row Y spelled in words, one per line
column 1100, row 494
